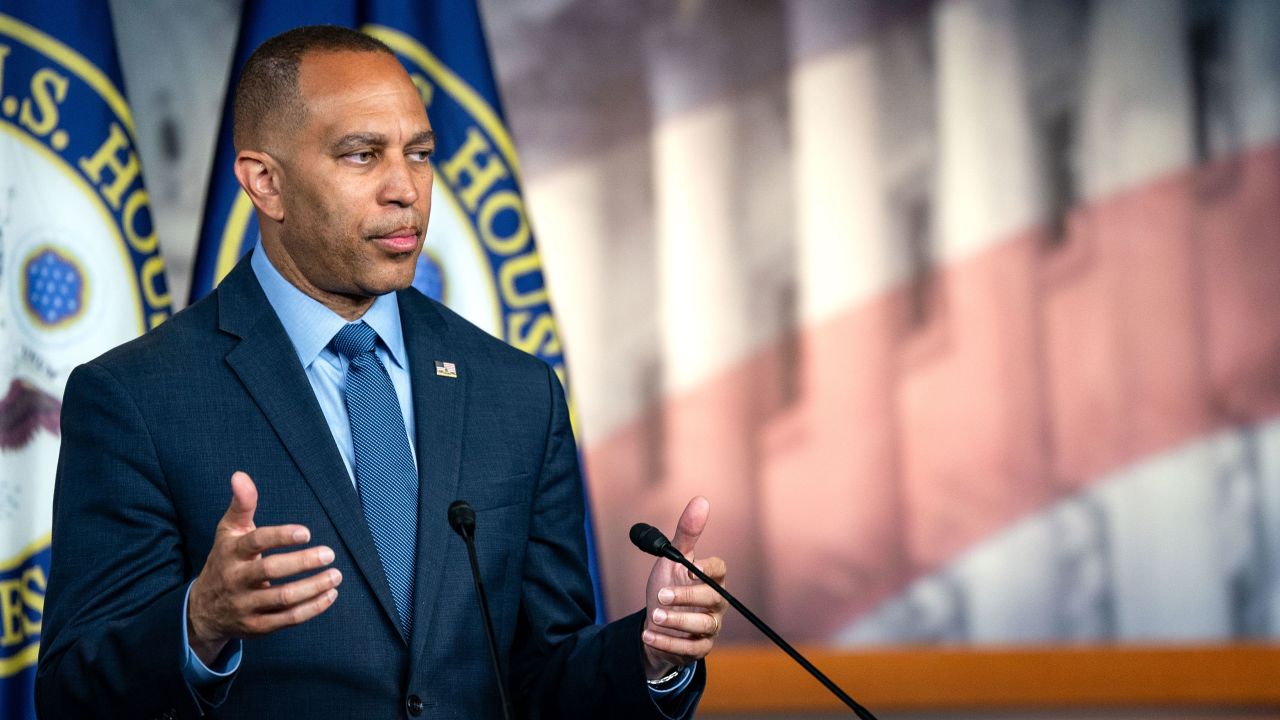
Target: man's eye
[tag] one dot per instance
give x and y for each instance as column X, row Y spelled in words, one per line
column 362, row 158
column 419, row 155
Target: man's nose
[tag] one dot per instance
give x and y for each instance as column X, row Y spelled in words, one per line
column 398, row 184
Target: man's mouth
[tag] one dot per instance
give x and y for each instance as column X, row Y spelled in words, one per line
column 402, row 239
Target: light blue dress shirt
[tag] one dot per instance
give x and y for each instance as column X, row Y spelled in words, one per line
column 310, row 327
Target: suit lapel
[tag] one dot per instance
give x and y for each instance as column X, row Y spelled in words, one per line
column 439, row 412
column 284, row 394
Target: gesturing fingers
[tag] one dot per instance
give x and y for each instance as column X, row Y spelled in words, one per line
column 286, row 595
column 685, row 624
column 684, row 613
column 694, row 597
column 256, row 542
column 270, row 607
column 234, row 596
column 688, row 649
column 692, row 522
column 713, row 568
column 295, row 614
column 690, row 611
column 283, row 565
column 244, row 502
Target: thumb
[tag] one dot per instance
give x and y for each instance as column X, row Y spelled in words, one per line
column 244, row 501
column 692, row 522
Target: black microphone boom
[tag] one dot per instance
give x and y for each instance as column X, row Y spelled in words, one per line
column 651, row 540
column 462, row 518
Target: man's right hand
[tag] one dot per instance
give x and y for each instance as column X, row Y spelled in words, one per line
column 233, row 597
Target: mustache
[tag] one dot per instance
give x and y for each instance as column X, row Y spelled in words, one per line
column 388, row 226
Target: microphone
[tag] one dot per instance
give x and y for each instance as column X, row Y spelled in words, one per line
column 651, row 540
column 462, row 518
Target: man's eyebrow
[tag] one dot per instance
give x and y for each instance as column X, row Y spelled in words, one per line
column 355, row 141
column 426, row 137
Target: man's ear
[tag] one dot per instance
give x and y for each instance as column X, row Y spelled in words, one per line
column 259, row 175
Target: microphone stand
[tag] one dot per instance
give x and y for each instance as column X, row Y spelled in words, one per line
column 652, row 541
column 462, row 518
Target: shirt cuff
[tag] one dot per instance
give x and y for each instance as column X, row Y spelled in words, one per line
column 209, row 684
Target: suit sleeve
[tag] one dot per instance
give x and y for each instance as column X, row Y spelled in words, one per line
column 564, row 665
column 112, row 635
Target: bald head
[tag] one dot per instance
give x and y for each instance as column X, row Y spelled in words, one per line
column 268, row 97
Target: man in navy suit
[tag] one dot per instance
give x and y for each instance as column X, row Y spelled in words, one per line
column 165, row 602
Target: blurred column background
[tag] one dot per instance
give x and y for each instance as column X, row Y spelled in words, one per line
column 964, row 314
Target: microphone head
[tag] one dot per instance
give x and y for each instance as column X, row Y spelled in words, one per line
column 651, row 540
column 462, row 518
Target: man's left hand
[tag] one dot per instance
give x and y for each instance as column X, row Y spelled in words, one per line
column 683, row 614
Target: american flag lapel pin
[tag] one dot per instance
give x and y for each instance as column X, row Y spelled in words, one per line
column 446, row 369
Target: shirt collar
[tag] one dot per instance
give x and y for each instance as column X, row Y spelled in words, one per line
column 310, row 325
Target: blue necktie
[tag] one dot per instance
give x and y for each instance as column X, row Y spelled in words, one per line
column 386, row 476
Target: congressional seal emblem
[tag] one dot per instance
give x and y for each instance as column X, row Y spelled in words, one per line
column 79, row 274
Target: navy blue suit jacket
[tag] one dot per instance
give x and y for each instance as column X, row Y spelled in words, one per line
column 151, row 433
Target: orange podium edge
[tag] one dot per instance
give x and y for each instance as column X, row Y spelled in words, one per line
column 744, row 679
